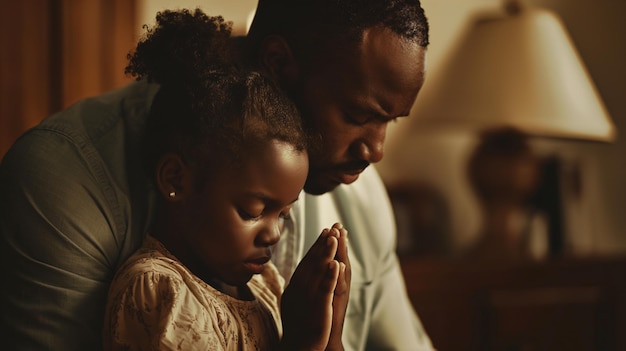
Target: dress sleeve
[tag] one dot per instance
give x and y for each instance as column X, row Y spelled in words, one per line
column 159, row 312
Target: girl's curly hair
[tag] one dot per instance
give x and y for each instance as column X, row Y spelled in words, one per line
column 180, row 45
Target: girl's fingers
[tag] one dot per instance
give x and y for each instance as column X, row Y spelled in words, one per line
column 342, row 247
column 313, row 269
column 329, row 283
column 343, row 282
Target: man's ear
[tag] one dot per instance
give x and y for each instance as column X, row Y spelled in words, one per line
column 173, row 177
column 277, row 58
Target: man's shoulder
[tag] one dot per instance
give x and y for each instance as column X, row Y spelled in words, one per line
column 97, row 115
column 99, row 132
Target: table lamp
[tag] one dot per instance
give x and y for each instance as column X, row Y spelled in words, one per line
column 514, row 74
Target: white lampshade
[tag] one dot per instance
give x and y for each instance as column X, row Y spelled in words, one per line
column 518, row 69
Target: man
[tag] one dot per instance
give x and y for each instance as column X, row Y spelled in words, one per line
column 351, row 68
column 75, row 204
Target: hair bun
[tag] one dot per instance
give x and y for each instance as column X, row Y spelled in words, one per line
column 182, row 46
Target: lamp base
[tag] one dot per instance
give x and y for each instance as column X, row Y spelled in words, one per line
column 504, row 173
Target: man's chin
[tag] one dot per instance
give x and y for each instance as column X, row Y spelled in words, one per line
column 322, row 183
column 317, row 189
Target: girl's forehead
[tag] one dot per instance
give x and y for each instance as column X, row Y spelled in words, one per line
column 276, row 168
column 259, row 161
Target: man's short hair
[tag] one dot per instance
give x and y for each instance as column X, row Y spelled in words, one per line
column 317, row 21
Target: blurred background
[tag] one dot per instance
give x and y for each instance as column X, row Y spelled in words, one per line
column 559, row 285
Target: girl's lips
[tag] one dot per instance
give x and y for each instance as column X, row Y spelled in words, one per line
column 256, row 266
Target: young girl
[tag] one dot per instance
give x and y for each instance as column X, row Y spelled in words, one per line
column 227, row 156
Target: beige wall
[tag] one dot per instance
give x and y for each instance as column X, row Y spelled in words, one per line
column 237, row 11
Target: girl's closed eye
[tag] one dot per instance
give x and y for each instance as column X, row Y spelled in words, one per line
column 248, row 215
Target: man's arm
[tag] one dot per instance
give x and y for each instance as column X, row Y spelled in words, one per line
column 57, row 243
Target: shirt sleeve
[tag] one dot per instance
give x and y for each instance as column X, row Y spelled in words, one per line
column 380, row 315
column 394, row 323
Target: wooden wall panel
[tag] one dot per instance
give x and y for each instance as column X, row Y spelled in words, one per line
column 56, row 52
column 24, row 67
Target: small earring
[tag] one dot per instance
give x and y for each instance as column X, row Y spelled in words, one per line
column 172, row 194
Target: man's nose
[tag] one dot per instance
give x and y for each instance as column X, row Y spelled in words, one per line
column 370, row 147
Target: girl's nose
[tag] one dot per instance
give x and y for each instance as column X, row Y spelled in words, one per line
column 269, row 235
